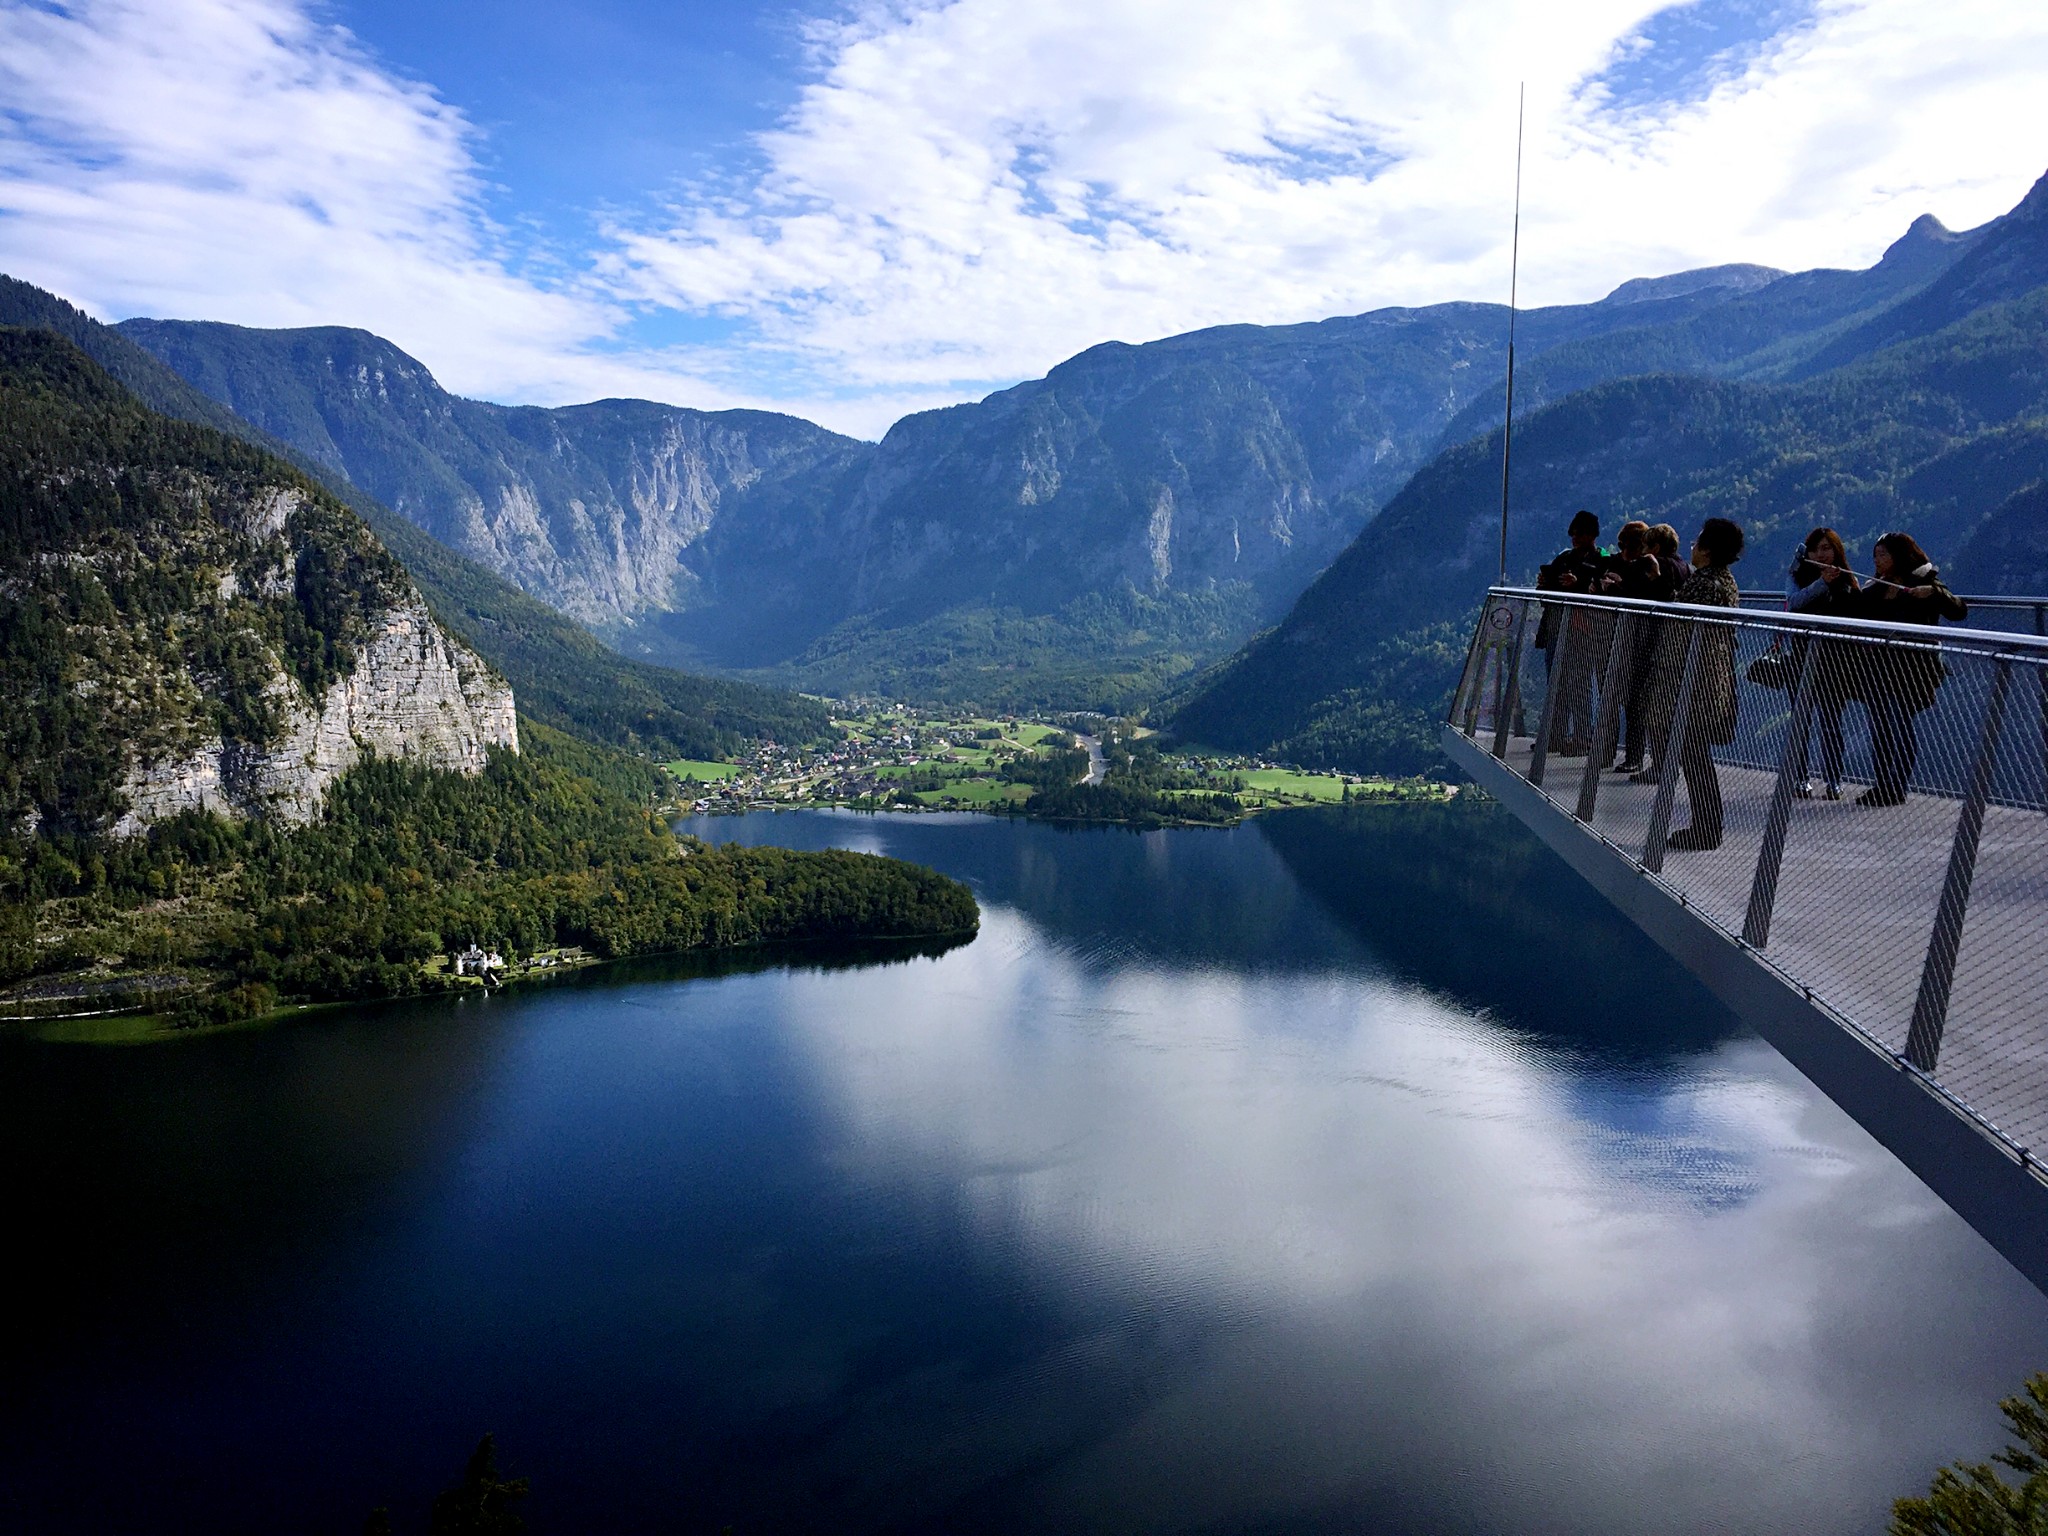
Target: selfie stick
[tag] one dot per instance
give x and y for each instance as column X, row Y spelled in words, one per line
column 1514, row 278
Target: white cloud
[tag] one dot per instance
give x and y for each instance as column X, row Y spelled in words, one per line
column 980, row 189
column 236, row 160
column 968, row 192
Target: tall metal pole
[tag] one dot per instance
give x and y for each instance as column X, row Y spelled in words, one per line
column 1507, row 436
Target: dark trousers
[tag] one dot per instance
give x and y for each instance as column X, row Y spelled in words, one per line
column 1702, row 786
column 1827, row 722
column 1572, row 721
column 1636, row 702
column 1894, row 743
column 1827, row 709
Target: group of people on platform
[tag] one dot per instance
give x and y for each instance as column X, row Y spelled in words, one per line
column 1894, row 685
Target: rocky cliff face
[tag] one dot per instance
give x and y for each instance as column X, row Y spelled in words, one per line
column 413, row 692
column 598, row 509
column 194, row 626
column 1240, row 458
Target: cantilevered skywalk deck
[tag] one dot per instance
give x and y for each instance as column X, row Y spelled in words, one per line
column 1897, row 955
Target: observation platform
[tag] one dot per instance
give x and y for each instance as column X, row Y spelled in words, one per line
column 1897, row 955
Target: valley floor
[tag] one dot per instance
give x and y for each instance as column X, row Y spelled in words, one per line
column 899, row 757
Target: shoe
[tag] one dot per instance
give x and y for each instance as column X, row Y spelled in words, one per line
column 1803, row 789
column 1629, row 767
column 1878, row 798
column 1834, row 791
column 1692, row 837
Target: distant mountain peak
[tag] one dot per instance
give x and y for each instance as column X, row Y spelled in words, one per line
column 1737, row 277
column 1924, row 234
column 2034, row 205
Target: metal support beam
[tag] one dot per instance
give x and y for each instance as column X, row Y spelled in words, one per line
column 1930, row 1007
column 1620, row 676
column 1673, row 751
column 1763, row 889
column 1998, row 1193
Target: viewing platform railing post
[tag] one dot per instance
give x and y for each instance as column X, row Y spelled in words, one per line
column 2041, row 628
column 1930, row 1006
column 1553, row 691
column 1620, row 675
column 1763, row 889
column 1508, row 702
column 1675, row 740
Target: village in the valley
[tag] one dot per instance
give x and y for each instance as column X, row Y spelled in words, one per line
column 898, row 757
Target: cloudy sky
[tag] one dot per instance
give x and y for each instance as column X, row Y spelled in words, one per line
column 855, row 210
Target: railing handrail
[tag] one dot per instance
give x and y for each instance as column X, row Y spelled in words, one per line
column 1974, row 599
column 2031, row 648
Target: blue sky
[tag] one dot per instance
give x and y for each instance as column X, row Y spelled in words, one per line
column 851, row 210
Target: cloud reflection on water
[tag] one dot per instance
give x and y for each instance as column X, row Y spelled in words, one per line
column 1417, row 1253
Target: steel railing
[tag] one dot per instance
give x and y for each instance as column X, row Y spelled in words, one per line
column 2004, row 615
column 1910, row 903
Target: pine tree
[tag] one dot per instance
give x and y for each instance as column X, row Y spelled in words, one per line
column 481, row 1504
column 1972, row 1499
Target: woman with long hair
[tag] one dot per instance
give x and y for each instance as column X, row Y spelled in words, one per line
column 1820, row 583
column 1900, row 682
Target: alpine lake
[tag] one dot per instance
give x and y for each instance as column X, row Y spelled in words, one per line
column 1351, row 1169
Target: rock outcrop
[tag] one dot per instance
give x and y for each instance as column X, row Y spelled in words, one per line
column 192, row 625
column 413, row 693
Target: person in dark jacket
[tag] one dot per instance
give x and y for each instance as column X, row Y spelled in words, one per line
column 1671, row 574
column 1634, row 572
column 1899, row 684
column 1671, row 566
column 1821, row 584
column 1711, row 720
column 1576, row 568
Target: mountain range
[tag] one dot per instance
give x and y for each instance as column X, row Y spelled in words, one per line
column 1123, row 532
column 1082, row 538
column 1914, row 395
column 563, row 675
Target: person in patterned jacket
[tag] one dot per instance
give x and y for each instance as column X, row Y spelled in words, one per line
column 1711, row 719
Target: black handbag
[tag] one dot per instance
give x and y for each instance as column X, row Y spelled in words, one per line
column 1772, row 670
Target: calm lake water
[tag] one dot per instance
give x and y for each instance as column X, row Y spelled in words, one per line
column 1348, row 1171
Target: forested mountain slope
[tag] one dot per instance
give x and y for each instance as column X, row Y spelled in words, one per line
column 190, row 624
column 1944, row 434
column 1080, row 538
column 241, row 760
column 563, row 675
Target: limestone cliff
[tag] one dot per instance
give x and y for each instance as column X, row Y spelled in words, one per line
column 188, row 624
column 413, row 692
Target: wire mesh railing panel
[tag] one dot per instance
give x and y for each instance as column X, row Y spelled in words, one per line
column 1864, row 804
column 1993, row 1047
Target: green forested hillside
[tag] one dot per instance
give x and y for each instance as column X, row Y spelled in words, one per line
column 555, row 845
column 164, row 585
column 169, row 593
column 1930, row 435
column 562, row 674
